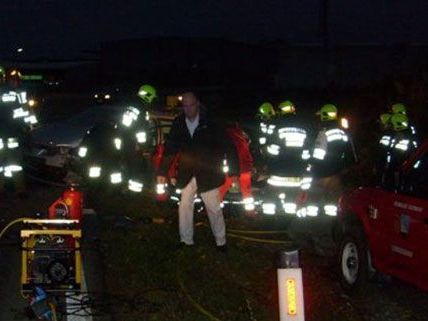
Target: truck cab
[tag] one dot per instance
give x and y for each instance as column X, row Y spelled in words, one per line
column 385, row 228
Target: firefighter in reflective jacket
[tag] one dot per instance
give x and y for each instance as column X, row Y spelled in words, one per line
column 332, row 152
column 400, row 108
column 99, row 159
column 11, row 138
column 15, row 98
column 266, row 113
column 113, row 152
column 383, row 145
column 287, row 160
column 402, row 144
column 133, row 136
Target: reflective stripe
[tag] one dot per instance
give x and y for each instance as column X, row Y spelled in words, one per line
column 306, row 183
column 160, row 189
column 94, row 171
column 289, row 208
column 312, row 210
column 248, row 203
column 20, row 113
column 9, row 170
column 262, row 140
column 141, row 137
column 126, row 120
column 319, row 153
column 273, row 149
column 330, row 210
column 83, row 151
column 269, row 208
column 225, row 166
column 9, row 97
column 294, row 137
column 282, row 196
column 402, row 144
column 116, row 178
column 12, row 143
column 1, row 144
column 306, row 154
column 31, row 120
column 22, row 97
column 129, row 116
column 336, row 134
column 135, row 186
column 117, row 143
column 385, row 140
column 284, row 181
column 413, row 130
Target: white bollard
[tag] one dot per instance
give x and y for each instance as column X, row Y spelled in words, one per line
column 290, row 286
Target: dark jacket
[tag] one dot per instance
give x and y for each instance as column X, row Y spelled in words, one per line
column 200, row 156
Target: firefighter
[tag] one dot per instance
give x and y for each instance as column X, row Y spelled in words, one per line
column 399, row 108
column 266, row 113
column 11, row 140
column 132, row 137
column 402, row 144
column 15, row 97
column 134, row 133
column 332, row 152
column 383, row 145
column 100, row 159
column 112, row 152
column 288, row 154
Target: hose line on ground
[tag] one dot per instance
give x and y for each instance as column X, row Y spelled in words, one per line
column 258, row 240
column 191, row 300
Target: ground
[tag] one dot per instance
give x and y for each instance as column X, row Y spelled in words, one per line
column 143, row 276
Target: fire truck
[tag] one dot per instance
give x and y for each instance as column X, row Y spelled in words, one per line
column 383, row 230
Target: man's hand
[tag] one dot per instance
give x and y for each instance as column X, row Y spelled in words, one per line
column 161, row 180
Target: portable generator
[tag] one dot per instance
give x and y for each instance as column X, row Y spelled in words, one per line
column 51, row 257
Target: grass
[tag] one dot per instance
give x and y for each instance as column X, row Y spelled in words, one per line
column 144, row 266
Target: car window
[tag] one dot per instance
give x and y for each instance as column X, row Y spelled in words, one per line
column 93, row 115
column 415, row 182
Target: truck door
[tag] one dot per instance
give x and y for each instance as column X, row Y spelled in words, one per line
column 410, row 236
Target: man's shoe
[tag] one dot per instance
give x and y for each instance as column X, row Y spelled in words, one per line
column 222, row 248
column 183, row 245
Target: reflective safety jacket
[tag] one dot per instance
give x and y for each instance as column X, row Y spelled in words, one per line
column 402, row 145
column 332, row 150
column 288, row 149
column 16, row 103
column 266, row 129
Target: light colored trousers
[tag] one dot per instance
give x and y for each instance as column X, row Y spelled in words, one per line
column 211, row 200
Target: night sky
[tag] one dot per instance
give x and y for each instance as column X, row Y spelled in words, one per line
column 63, row 28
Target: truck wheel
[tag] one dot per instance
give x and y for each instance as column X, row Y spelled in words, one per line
column 353, row 261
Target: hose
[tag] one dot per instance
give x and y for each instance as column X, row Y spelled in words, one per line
column 191, row 300
column 18, row 220
column 258, row 240
column 256, row 231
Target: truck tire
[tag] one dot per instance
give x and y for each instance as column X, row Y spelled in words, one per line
column 353, row 260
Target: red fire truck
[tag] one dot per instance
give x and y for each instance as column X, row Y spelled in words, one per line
column 384, row 229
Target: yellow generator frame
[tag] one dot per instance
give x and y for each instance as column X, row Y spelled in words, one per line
column 49, row 229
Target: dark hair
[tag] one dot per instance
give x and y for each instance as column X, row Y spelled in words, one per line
column 193, row 92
